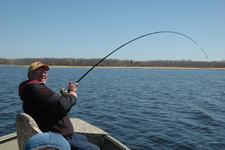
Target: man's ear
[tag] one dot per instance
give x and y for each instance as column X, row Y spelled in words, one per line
column 29, row 75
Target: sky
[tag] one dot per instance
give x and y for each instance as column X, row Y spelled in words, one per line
column 94, row 28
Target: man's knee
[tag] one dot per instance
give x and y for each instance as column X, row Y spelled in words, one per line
column 80, row 142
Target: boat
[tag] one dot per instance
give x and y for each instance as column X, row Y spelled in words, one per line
column 26, row 127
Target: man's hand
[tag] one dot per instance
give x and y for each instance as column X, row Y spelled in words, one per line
column 72, row 88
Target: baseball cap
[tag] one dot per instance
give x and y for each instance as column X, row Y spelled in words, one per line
column 47, row 140
column 37, row 65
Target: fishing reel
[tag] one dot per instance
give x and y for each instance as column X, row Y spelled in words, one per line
column 64, row 92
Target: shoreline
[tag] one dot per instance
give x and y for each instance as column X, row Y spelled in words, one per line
column 112, row 67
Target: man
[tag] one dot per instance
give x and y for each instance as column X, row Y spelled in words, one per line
column 48, row 108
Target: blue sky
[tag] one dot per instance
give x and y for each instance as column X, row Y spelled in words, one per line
column 93, row 29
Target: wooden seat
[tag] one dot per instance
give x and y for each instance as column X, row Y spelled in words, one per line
column 26, row 127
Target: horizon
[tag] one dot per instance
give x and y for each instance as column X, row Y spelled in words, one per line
column 114, row 59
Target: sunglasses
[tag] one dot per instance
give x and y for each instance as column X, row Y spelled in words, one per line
column 41, row 71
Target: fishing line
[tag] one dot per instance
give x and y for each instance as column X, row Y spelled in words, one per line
column 137, row 39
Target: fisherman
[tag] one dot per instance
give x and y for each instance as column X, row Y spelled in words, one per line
column 49, row 109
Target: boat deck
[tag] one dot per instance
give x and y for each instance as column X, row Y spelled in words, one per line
column 9, row 142
column 81, row 126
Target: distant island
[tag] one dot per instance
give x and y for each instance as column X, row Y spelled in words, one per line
column 116, row 63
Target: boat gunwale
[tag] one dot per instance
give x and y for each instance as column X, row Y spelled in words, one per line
column 8, row 137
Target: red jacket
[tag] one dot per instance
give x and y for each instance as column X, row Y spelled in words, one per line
column 47, row 108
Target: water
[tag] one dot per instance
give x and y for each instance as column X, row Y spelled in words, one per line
column 144, row 109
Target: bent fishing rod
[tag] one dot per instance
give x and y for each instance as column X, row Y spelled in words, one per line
column 173, row 32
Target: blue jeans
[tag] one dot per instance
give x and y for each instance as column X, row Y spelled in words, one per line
column 80, row 142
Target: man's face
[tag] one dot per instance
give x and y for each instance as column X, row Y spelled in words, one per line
column 40, row 75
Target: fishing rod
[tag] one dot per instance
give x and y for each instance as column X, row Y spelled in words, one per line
column 137, row 39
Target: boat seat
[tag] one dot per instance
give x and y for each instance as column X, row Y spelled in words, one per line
column 26, row 127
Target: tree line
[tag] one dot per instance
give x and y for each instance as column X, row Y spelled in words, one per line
column 114, row 62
